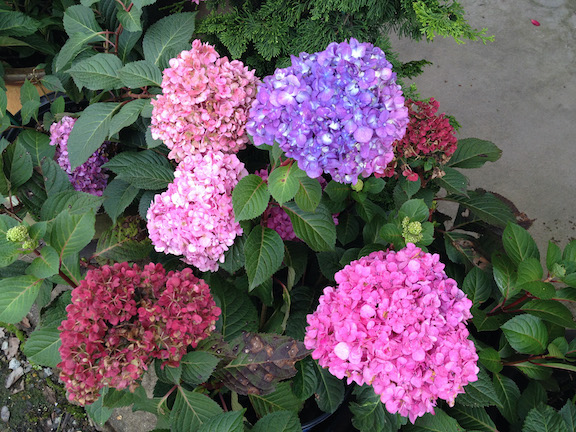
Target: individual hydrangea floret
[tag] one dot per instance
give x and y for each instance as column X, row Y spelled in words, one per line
column 428, row 135
column 194, row 217
column 204, row 103
column 337, row 111
column 89, row 177
column 109, row 337
column 396, row 322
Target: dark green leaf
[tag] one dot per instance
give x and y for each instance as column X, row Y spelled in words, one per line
column 17, row 294
column 348, row 228
column 305, row 382
column 111, row 245
column 519, row 244
column 118, row 398
column 453, row 181
column 509, row 394
column 80, row 19
column 191, row 410
column 145, row 170
column 71, row 233
column 73, row 46
column 234, row 258
column 279, row 421
column 238, row 312
column 490, row 358
column 505, row 275
column 309, row 194
column 438, row 422
column 477, row 286
column 473, row 153
column 282, row 399
column 131, row 19
column 540, row 289
column 531, row 397
column 117, row 196
column 264, row 251
column 316, row 229
column 553, row 255
column 17, row 164
column 37, row 144
column 74, row 202
column 168, row 374
column 18, row 24
column 55, row 178
column 568, row 413
column 337, row 191
column 369, row 413
column 97, row 411
column 330, row 390
column 486, row 207
column 231, row 421
column 569, row 253
column 90, row 131
column 9, row 251
column 415, row 209
column 250, row 197
column 472, row 419
column 45, row 265
column 527, row 334
column 283, row 182
column 127, row 115
column 479, row 393
column 544, row 419
column 30, row 100
column 99, row 72
column 551, row 311
column 140, row 73
column 42, row 345
column 197, row 366
column 168, row 37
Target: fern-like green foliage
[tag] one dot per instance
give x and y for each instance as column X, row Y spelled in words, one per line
column 446, row 20
column 265, row 33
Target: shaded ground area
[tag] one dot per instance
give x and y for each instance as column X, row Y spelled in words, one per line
column 31, row 400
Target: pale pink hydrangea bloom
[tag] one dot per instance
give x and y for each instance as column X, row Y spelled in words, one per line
column 194, row 217
column 204, row 103
column 396, row 322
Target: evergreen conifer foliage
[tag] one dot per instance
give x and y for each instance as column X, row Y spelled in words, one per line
column 264, row 33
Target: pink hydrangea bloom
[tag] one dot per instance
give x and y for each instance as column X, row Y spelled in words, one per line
column 109, row 336
column 204, row 103
column 194, row 217
column 396, row 322
column 88, row 177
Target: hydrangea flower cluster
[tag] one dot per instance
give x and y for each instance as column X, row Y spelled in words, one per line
column 204, row 103
column 122, row 317
column 396, row 322
column 194, row 217
column 88, row 177
column 428, row 135
column 337, row 111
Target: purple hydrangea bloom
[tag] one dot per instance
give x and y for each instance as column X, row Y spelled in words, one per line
column 88, row 177
column 337, row 111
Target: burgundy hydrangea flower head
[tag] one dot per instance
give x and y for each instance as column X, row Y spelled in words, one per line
column 195, row 217
column 337, row 111
column 89, row 177
column 428, row 135
column 204, row 103
column 396, row 322
column 109, row 336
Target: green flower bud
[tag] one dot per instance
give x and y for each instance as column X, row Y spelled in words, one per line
column 358, row 186
column 411, row 231
column 30, row 244
column 18, row 234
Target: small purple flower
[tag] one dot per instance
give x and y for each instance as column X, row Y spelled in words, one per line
column 337, row 111
column 88, row 177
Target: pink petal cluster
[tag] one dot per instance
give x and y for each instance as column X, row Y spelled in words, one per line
column 194, row 217
column 204, row 103
column 428, row 135
column 396, row 322
column 122, row 317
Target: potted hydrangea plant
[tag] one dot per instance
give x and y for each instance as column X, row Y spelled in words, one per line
column 272, row 246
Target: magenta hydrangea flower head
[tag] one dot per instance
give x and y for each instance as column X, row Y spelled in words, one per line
column 204, row 103
column 122, row 317
column 396, row 322
column 89, row 177
column 194, row 217
column 337, row 111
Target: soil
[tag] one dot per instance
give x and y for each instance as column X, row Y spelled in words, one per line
column 35, row 402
